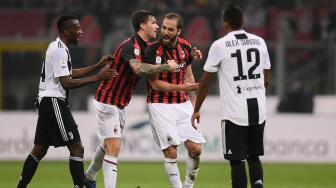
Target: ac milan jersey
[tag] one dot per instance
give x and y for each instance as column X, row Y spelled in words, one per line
column 240, row 59
column 57, row 63
column 118, row 91
column 157, row 53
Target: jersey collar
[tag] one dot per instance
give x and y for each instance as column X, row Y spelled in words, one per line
column 62, row 43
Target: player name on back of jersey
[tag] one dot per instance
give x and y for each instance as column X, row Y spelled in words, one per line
column 242, row 42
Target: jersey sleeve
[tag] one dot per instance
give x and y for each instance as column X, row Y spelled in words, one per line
column 127, row 53
column 213, row 60
column 267, row 61
column 190, row 58
column 60, row 63
column 150, row 56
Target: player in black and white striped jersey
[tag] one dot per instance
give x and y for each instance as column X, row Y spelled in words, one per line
column 242, row 62
column 56, row 126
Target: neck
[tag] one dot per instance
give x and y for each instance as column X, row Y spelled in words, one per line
column 172, row 44
column 64, row 40
column 143, row 36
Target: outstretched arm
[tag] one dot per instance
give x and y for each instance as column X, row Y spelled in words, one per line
column 144, row 69
column 71, row 83
column 81, row 72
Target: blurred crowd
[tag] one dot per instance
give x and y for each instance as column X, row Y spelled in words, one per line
column 106, row 23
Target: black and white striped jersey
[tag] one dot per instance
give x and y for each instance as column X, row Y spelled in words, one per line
column 57, row 63
column 240, row 58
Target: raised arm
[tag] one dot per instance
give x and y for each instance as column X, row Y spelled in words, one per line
column 145, row 69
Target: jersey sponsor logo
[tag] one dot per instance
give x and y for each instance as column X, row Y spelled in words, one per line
column 136, row 52
column 180, row 66
column 158, row 60
column 238, row 89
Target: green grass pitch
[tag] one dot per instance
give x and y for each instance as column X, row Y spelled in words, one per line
column 151, row 175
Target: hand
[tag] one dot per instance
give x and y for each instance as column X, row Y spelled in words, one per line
column 187, row 86
column 107, row 73
column 195, row 119
column 105, row 60
column 172, row 65
column 196, row 53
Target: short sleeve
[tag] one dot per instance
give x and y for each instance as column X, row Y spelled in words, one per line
column 267, row 61
column 150, row 56
column 60, row 63
column 213, row 60
column 127, row 52
column 190, row 58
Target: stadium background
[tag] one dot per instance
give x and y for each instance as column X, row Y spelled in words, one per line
column 301, row 39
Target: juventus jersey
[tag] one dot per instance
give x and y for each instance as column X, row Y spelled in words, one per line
column 240, row 58
column 57, row 64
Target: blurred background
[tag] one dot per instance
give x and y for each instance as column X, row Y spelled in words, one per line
column 300, row 37
column 301, row 97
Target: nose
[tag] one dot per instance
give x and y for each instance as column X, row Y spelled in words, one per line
column 81, row 32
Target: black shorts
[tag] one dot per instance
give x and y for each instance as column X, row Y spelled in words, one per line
column 239, row 142
column 55, row 124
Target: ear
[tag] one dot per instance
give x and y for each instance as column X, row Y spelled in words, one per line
column 179, row 32
column 142, row 26
column 226, row 25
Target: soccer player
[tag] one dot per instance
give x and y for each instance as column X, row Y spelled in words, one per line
column 170, row 102
column 56, row 125
column 113, row 96
column 243, row 65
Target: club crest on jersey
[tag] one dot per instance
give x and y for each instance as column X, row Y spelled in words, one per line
column 136, row 52
column 158, row 60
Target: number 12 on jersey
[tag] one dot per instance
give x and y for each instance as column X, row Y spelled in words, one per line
column 249, row 54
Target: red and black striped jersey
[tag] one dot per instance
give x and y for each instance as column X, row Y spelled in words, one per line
column 157, row 53
column 118, row 91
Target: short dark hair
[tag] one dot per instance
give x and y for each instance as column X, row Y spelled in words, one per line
column 139, row 17
column 233, row 15
column 176, row 16
column 61, row 22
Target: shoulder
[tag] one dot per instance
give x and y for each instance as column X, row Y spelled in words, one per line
column 254, row 36
column 183, row 42
column 154, row 44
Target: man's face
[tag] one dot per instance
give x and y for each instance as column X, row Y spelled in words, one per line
column 169, row 31
column 151, row 27
column 73, row 31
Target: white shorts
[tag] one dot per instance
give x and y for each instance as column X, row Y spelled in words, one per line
column 171, row 124
column 111, row 120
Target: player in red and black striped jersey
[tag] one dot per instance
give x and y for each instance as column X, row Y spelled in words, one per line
column 113, row 95
column 169, row 101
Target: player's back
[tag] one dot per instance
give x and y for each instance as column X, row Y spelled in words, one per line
column 243, row 58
